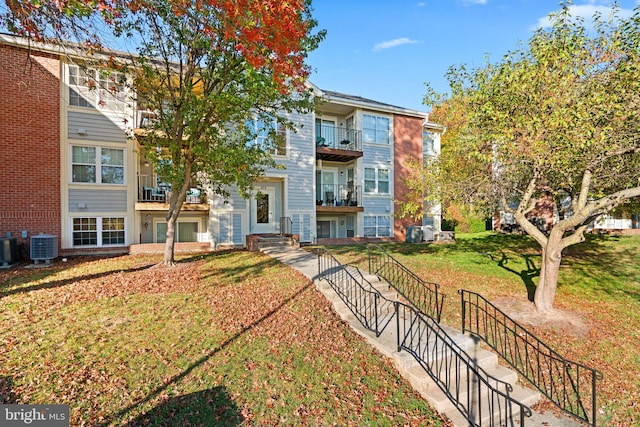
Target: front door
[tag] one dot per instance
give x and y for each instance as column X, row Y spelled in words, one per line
column 326, row 132
column 263, row 212
column 323, row 229
column 326, row 188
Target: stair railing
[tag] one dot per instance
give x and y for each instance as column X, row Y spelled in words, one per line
column 569, row 385
column 480, row 398
column 286, row 226
column 421, row 294
column 366, row 303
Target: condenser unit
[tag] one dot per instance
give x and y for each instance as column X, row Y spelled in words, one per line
column 44, row 247
column 8, row 251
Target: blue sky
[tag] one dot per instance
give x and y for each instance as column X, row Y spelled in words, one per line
column 387, row 49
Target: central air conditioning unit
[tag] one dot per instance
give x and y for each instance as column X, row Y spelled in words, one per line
column 44, row 247
column 8, row 251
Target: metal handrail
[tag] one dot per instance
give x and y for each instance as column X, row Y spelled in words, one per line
column 338, row 137
column 286, row 226
column 339, row 195
column 569, row 385
column 421, row 294
column 366, row 303
column 474, row 392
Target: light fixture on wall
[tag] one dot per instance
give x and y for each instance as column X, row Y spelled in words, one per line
column 146, row 163
column 147, row 220
column 341, row 173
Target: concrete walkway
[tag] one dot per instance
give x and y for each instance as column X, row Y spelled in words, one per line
column 386, row 343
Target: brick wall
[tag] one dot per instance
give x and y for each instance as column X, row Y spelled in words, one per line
column 407, row 136
column 29, row 142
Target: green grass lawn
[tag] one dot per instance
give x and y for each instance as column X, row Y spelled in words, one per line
column 230, row 338
column 599, row 280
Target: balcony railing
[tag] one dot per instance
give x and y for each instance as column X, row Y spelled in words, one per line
column 338, row 195
column 340, row 138
column 151, row 190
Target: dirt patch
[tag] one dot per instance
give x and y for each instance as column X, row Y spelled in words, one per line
column 525, row 313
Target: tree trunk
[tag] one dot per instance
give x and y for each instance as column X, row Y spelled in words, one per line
column 549, row 270
column 175, row 204
column 169, row 244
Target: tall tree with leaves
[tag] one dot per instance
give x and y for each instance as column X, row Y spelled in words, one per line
column 206, row 68
column 560, row 119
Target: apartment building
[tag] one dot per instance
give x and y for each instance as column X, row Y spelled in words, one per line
column 72, row 166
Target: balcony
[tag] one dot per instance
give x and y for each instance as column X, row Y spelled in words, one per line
column 154, row 196
column 339, row 198
column 338, row 144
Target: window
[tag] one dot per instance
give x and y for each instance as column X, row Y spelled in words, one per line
column 270, row 135
column 113, row 231
column 83, row 161
column 112, row 162
column 80, row 84
column 377, row 226
column 376, row 181
column 85, row 232
column 375, row 129
column 89, row 88
column 111, row 92
column 325, row 133
column 428, row 144
column 185, row 232
column 98, row 231
column 97, row 165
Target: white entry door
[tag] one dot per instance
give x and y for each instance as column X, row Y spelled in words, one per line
column 263, row 207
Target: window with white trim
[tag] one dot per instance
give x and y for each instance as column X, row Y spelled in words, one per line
column 98, row 231
column 97, row 165
column 428, row 145
column 377, row 226
column 375, row 129
column 376, row 181
column 186, row 231
column 90, row 88
column 269, row 134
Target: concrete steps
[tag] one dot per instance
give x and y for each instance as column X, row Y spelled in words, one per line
column 386, row 344
column 420, row 379
column 270, row 242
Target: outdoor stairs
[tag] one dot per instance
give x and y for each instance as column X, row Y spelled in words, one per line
column 276, row 241
column 417, row 376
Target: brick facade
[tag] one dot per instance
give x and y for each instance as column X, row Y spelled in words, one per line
column 29, row 142
column 407, row 135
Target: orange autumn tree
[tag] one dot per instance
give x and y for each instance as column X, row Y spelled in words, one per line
column 207, row 69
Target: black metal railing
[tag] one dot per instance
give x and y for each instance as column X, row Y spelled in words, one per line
column 569, row 385
column 481, row 398
column 338, row 137
column 366, row 303
column 421, row 294
column 150, row 190
column 286, row 226
column 338, row 195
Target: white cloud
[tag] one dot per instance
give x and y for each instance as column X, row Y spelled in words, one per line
column 423, row 4
column 585, row 11
column 393, row 43
column 475, row 1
